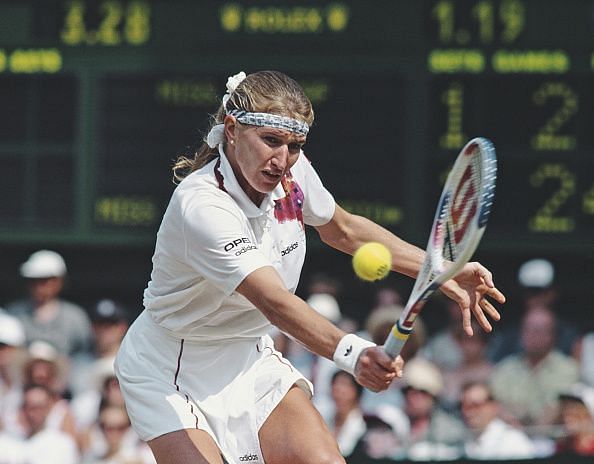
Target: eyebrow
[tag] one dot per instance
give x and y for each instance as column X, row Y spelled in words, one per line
column 282, row 133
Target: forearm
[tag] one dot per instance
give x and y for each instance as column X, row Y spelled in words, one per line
column 290, row 313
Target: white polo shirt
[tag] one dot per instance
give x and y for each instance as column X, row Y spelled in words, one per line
column 213, row 236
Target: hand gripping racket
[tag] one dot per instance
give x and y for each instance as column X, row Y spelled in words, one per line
column 458, row 226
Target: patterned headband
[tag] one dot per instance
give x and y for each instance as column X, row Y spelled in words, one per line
column 270, row 120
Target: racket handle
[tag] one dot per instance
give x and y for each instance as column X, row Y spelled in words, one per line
column 396, row 340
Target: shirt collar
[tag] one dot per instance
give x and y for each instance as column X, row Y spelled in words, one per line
column 238, row 194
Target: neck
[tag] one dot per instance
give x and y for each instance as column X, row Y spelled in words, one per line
column 342, row 414
column 46, row 311
column 419, row 426
column 534, row 360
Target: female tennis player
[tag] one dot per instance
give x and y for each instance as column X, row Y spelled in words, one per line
column 202, row 380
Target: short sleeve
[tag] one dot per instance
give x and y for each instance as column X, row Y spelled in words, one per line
column 219, row 244
column 319, row 204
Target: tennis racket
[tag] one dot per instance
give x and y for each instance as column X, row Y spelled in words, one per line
column 458, row 226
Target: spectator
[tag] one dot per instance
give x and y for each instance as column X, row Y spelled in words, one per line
column 12, row 339
column 114, row 441
column 12, row 450
column 474, row 366
column 88, row 407
column 44, row 315
column 583, row 352
column 536, row 279
column 528, row 384
column 46, row 368
column 434, row 433
column 384, row 437
column 442, row 348
column 44, row 445
column 490, row 437
column 387, row 295
column 347, row 425
column 105, row 389
column 577, row 418
column 109, row 321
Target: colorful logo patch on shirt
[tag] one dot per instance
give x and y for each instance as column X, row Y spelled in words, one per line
column 290, row 207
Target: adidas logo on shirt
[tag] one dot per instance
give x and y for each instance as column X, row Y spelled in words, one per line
column 248, row 457
column 290, row 248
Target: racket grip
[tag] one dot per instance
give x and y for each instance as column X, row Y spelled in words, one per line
column 395, row 341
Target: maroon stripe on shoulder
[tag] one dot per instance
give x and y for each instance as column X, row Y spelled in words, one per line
column 219, row 176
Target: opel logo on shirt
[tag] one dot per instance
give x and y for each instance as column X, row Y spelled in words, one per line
column 237, row 242
column 239, row 246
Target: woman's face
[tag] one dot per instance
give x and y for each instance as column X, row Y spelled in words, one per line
column 260, row 156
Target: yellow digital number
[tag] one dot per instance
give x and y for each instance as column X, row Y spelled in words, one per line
column 74, row 30
column 443, row 12
column 453, row 99
column 138, row 23
column 483, row 12
column 513, row 16
column 547, row 218
column 548, row 137
column 108, row 32
column 510, row 15
column 134, row 20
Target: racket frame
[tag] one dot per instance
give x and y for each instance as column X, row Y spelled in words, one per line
column 433, row 274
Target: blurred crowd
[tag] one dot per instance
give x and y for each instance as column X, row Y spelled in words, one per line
column 524, row 391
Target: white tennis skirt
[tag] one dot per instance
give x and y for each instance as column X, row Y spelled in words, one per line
column 227, row 389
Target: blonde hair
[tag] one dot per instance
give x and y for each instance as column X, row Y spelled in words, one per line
column 261, row 92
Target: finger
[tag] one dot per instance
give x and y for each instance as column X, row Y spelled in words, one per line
column 383, row 360
column 496, row 295
column 371, row 370
column 374, row 384
column 398, row 366
column 466, row 318
column 490, row 309
column 487, row 276
column 481, row 318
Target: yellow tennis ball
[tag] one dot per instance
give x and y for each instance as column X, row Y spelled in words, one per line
column 372, row 261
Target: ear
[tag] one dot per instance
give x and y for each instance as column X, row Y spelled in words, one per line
column 230, row 127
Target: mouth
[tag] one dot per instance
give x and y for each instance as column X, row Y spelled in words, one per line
column 272, row 176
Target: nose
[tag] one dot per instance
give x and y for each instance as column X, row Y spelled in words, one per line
column 280, row 160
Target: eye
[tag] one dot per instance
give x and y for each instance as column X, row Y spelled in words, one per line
column 295, row 147
column 271, row 140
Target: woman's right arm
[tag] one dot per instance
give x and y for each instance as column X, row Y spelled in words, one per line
column 265, row 289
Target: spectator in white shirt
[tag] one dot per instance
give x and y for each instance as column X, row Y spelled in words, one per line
column 489, row 436
column 45, row 445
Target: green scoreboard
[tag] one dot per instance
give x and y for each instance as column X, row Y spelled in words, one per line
column 98, row 97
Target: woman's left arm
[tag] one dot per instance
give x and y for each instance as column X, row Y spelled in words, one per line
column 470, row 288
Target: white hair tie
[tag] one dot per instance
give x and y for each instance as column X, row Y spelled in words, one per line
column 232, row 83
column 216, row 136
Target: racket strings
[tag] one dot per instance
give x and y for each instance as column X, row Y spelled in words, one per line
column 466, row 190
